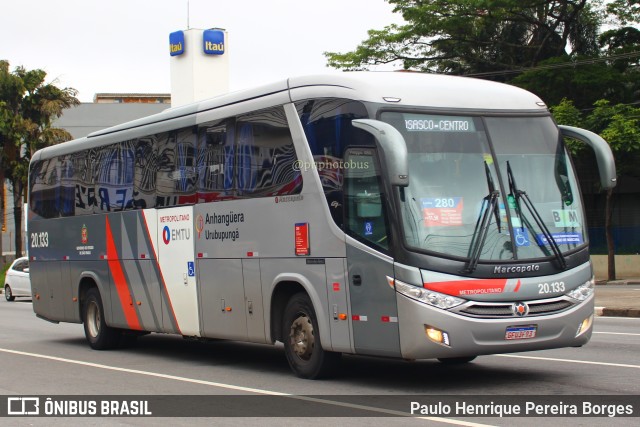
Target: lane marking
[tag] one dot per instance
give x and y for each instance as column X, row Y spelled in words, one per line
column 584, row 362
column 617, row 333
column 240, row 388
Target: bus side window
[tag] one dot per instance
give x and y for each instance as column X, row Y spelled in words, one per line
column 67, row 186
column 266, row 157
column 215, row 161
column 144, row 181
column 113, row 189
column 365, row 213
column 176, row 173
column 328, row 129
column 43, row 200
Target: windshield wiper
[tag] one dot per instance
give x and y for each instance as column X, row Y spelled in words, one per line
column 492, row 189
column 519, row 194
column 489, row 203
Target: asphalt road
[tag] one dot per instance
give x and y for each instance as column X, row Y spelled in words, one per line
column 44, row 359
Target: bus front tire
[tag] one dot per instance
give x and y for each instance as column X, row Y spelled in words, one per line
column 301, row 338
column 456, row 360
column 96, row 330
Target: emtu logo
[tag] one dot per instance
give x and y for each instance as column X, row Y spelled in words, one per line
column 166, row 235
column 176, row 234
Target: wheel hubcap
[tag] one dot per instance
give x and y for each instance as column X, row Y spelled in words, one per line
column 301, row 337
column 7, row 292
column 93, row 319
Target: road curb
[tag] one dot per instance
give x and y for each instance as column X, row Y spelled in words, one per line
column 618, row 282
column 617, row 312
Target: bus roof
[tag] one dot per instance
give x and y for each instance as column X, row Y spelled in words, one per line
column 416, row 89
column 433, row 91
column 436, row 91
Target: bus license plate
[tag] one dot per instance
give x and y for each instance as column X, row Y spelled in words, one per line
column 520, row 332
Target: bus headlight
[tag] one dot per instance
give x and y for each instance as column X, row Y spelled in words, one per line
column 583, row 291
column 437, row 336
column 426, row 296
column 584, row 326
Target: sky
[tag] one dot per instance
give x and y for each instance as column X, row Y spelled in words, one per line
column 123, row 45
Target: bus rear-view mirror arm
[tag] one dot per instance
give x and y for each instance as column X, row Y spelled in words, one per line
column 393, row 147
column 604, row 156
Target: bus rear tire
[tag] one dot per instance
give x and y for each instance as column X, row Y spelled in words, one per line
column 96, row 330
column 302, row 346
column 456, row 360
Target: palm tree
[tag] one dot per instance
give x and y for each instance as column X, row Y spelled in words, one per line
column 28, row 106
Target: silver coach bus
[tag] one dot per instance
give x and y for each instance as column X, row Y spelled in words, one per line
column 389, row 214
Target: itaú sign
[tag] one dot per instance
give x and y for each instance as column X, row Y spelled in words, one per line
column 176, row 43
column 213, row 42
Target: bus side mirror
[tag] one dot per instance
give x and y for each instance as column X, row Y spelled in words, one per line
column 604, row 156
column 393, row 148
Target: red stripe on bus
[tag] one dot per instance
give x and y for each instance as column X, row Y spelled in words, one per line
column 164, row 285
column 120, row 281
column 468, row 287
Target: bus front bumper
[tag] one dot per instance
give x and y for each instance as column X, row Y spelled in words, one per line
column 463, row 336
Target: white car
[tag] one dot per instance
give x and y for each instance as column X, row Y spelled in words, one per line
column 17, row 282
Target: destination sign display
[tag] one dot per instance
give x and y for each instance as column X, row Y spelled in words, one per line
column 434, row 123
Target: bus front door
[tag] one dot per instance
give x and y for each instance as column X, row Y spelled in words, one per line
column 374, row 312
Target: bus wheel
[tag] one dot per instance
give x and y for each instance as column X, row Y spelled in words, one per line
column 99, row 335
column 456, row 360
column 302, row 344
column 7, row 293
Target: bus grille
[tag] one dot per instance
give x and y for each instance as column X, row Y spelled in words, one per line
column 497, row 310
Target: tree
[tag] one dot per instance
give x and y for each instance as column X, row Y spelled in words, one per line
column 612, row 73
column 10, row 123
column 625, row 10
column 28, row 106
column 619, row 125
column 582, row 80
column 566, row 113
column 479, row 36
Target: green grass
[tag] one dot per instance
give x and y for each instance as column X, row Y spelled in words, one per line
column 2, row 274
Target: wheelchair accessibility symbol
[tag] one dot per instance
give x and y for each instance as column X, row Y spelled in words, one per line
column 191, row 268
column 368, row 228
column 522, row 236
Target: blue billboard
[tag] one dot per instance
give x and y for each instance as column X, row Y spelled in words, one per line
column 213, row 42
column 176, row 43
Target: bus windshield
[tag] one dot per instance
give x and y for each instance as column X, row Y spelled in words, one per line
column 488, row 188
